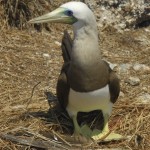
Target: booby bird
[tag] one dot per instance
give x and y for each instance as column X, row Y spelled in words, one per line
column 86, row 82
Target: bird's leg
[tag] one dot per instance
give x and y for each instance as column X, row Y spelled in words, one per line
column 96, row 135
column 106, row 128
column 105, row 133
column 84, row 131
column 77, row 128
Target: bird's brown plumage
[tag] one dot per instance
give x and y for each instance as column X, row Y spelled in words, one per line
column 84, row 82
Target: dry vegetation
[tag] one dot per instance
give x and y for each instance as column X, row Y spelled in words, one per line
column 30, row 63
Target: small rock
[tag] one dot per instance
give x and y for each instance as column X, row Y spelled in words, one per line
column 134, row 81
column 145, row 98
column 58, row 43
column 46, row 55
column 145, row 89
column 147, row 30
column 121, row 94
column 124, row 68
column 138, row 67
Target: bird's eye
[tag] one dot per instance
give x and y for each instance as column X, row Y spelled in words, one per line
column 69, row 13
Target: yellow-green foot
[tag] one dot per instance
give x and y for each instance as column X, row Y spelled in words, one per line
column 97, row 135
column 83, row 135
column 86, row 131
column 114, row 136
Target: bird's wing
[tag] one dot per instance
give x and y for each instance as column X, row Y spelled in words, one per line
column 114, row 86
column 62, row 83
column 114, row 83
column 63, row 87
column 66, row 47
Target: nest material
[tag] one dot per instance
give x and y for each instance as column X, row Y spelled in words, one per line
column 30, row 65
column 18, row 12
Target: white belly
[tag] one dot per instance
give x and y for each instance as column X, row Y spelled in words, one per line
column 89, row 101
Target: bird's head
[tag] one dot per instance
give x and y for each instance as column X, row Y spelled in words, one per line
column 68, row 13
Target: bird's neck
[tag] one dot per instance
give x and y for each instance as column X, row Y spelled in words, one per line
column 85, row 45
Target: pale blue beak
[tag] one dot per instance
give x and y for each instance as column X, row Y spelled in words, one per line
column 58, row 16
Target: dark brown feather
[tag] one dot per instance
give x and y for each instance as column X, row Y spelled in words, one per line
column 84, row 79
column 66, row 46
column 114, row 86
column 63, row 86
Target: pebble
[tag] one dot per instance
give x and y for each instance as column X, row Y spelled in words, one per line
column 141, row 67
column 121, row 94
column 145, row 89
column 57, row 43
column 134, row 81
column 144, row 98
column 124, row 68
column 46, row 55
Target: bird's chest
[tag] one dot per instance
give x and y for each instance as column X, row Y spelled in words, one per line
column 88, row 101
column 87, row 77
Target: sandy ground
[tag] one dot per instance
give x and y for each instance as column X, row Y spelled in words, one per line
column 30, row 63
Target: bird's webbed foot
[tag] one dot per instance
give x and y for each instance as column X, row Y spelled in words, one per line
column 105, row 134
column 82, row 134
column 97, row 135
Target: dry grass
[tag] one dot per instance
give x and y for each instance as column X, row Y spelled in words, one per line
column 16, row 13
column 30, row 63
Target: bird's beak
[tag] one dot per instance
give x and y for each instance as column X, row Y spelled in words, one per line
column 57, row 15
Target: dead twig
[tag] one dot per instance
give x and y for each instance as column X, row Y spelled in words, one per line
column 61, row 138
column 30, row 142
column 30, row 99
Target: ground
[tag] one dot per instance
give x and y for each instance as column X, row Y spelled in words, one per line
column 30, row 63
